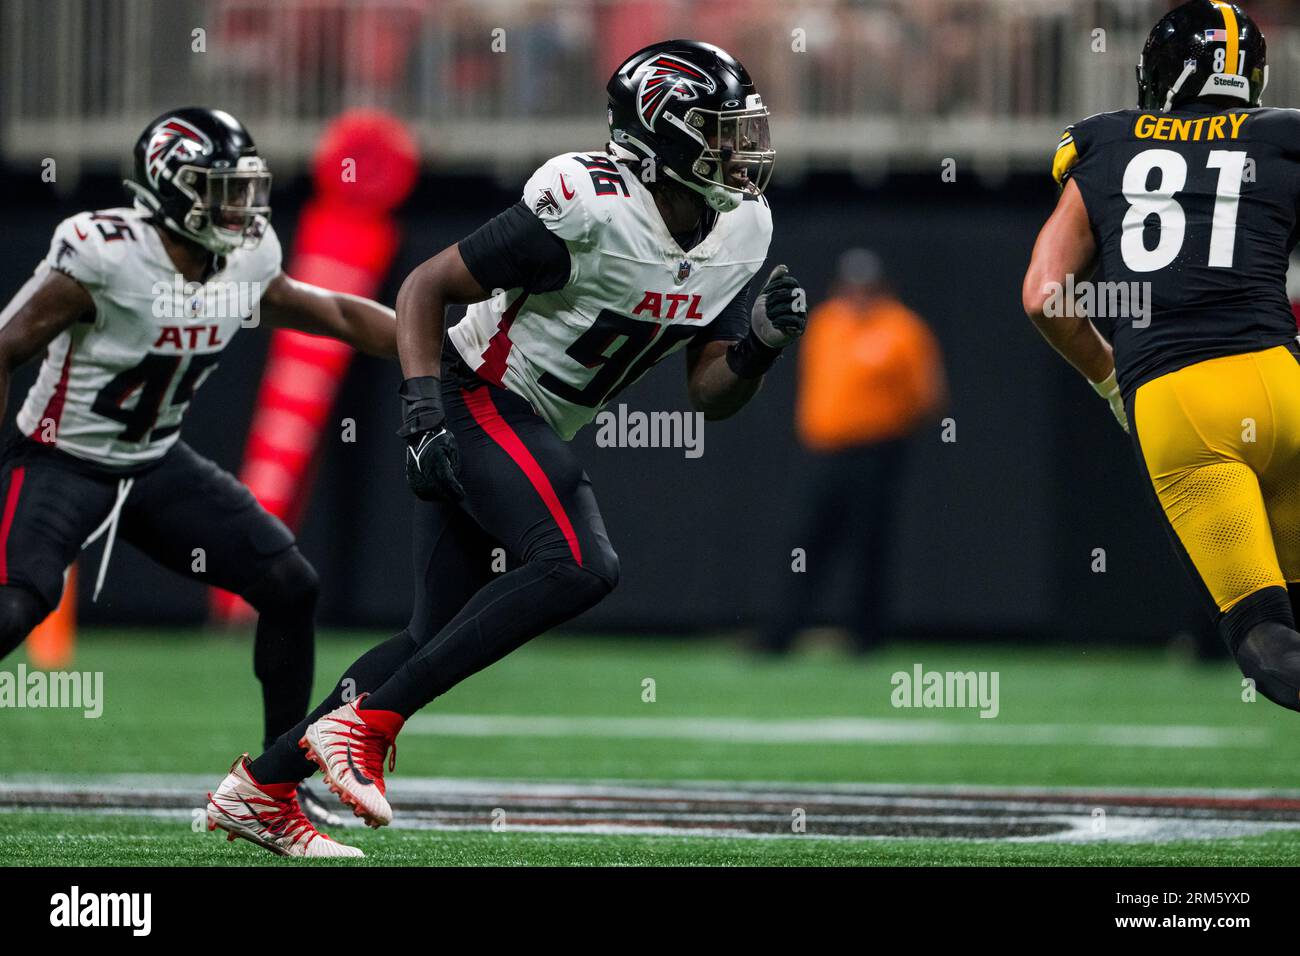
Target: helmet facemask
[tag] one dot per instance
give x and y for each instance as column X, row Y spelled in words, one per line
column 736, row 159
column 230, row 207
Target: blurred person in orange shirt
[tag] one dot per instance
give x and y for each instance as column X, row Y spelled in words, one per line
column 870, row 373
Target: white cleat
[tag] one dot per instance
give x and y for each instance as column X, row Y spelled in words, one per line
column 317, row 810
column 349, row 745
column 268, row 815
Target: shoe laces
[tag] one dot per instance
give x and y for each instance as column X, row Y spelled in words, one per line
column 375, row 746
column 286, row 819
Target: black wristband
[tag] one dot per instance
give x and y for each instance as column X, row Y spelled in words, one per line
column 750, row 357
column 421, row 405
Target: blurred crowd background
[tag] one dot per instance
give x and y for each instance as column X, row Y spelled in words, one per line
column 858, row 84
column 920, row 129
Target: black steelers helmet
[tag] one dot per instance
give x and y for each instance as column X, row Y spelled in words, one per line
column 1203, row 48
column 692, row 109
column 198, row 173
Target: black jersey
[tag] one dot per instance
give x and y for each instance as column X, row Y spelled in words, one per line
column 1194, row 213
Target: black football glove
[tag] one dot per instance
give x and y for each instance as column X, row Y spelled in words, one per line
column 781, row 311
column 432, row 458
column 777, row 319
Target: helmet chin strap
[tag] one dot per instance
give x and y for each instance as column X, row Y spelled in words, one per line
column 718, row 198
column 1173, row 90
column 623, row 153
column 145, row 200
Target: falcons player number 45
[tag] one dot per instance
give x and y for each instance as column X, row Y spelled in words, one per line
column 132, row 309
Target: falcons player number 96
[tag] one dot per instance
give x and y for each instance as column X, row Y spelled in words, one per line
column 611, row 260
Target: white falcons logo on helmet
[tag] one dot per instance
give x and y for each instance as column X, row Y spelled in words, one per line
column 667, row 78
column 173, row 137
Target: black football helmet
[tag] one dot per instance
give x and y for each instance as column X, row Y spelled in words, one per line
column 692, row 109
column 1202, row 49
column 198, row 173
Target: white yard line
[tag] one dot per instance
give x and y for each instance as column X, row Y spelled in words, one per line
column 845, row 730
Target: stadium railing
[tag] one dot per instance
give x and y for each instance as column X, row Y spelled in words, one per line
column 869, row 85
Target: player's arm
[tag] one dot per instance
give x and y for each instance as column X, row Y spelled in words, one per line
column 1066, row 247
column 34, row 318
column 432, row 458
column 514, row 250
column 714, row 388
column 722, row 376
column 361, row 323
column 422, row 307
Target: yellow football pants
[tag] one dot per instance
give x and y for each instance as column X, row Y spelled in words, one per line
column 1221, row 444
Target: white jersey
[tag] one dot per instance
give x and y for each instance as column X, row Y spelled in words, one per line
column 114, row 389
column 633, row 295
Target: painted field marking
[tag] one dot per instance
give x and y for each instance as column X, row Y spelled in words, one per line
column 722, row 809
column 844, row 730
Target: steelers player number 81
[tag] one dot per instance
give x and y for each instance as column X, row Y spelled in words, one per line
column 1171, row 218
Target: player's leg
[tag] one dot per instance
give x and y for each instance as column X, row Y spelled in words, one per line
column 1281, row 482
column 48, row 507
column 822, row 536
column 20, row 612
column 874, row 515
column 525, row 488
column 452, row 559
column 1204, row 434
column 198, row 520
column 1275, row 652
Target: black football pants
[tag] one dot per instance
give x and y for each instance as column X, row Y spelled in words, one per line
column 848, row 525
column 524, row 552
column 188, row 515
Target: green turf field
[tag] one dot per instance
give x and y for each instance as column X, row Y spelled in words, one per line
column 575, row 709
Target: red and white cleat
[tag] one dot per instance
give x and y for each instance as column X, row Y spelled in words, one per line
column 268, row 815
column 349, row 745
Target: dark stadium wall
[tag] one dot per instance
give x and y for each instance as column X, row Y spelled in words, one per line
column 998, row 529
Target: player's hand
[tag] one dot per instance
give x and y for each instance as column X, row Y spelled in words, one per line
column 781, row 310
column 432, row 458
column 1109, row 390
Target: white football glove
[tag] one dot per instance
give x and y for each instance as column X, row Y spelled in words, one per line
column 1109, row 390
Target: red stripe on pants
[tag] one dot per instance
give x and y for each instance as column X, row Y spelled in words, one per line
column 7, row 522
column 489, row 419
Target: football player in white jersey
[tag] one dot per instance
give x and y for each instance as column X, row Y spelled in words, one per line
column 132, row 308
column 612, row 260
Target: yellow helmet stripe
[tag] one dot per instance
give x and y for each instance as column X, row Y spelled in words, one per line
column 1230, row 25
